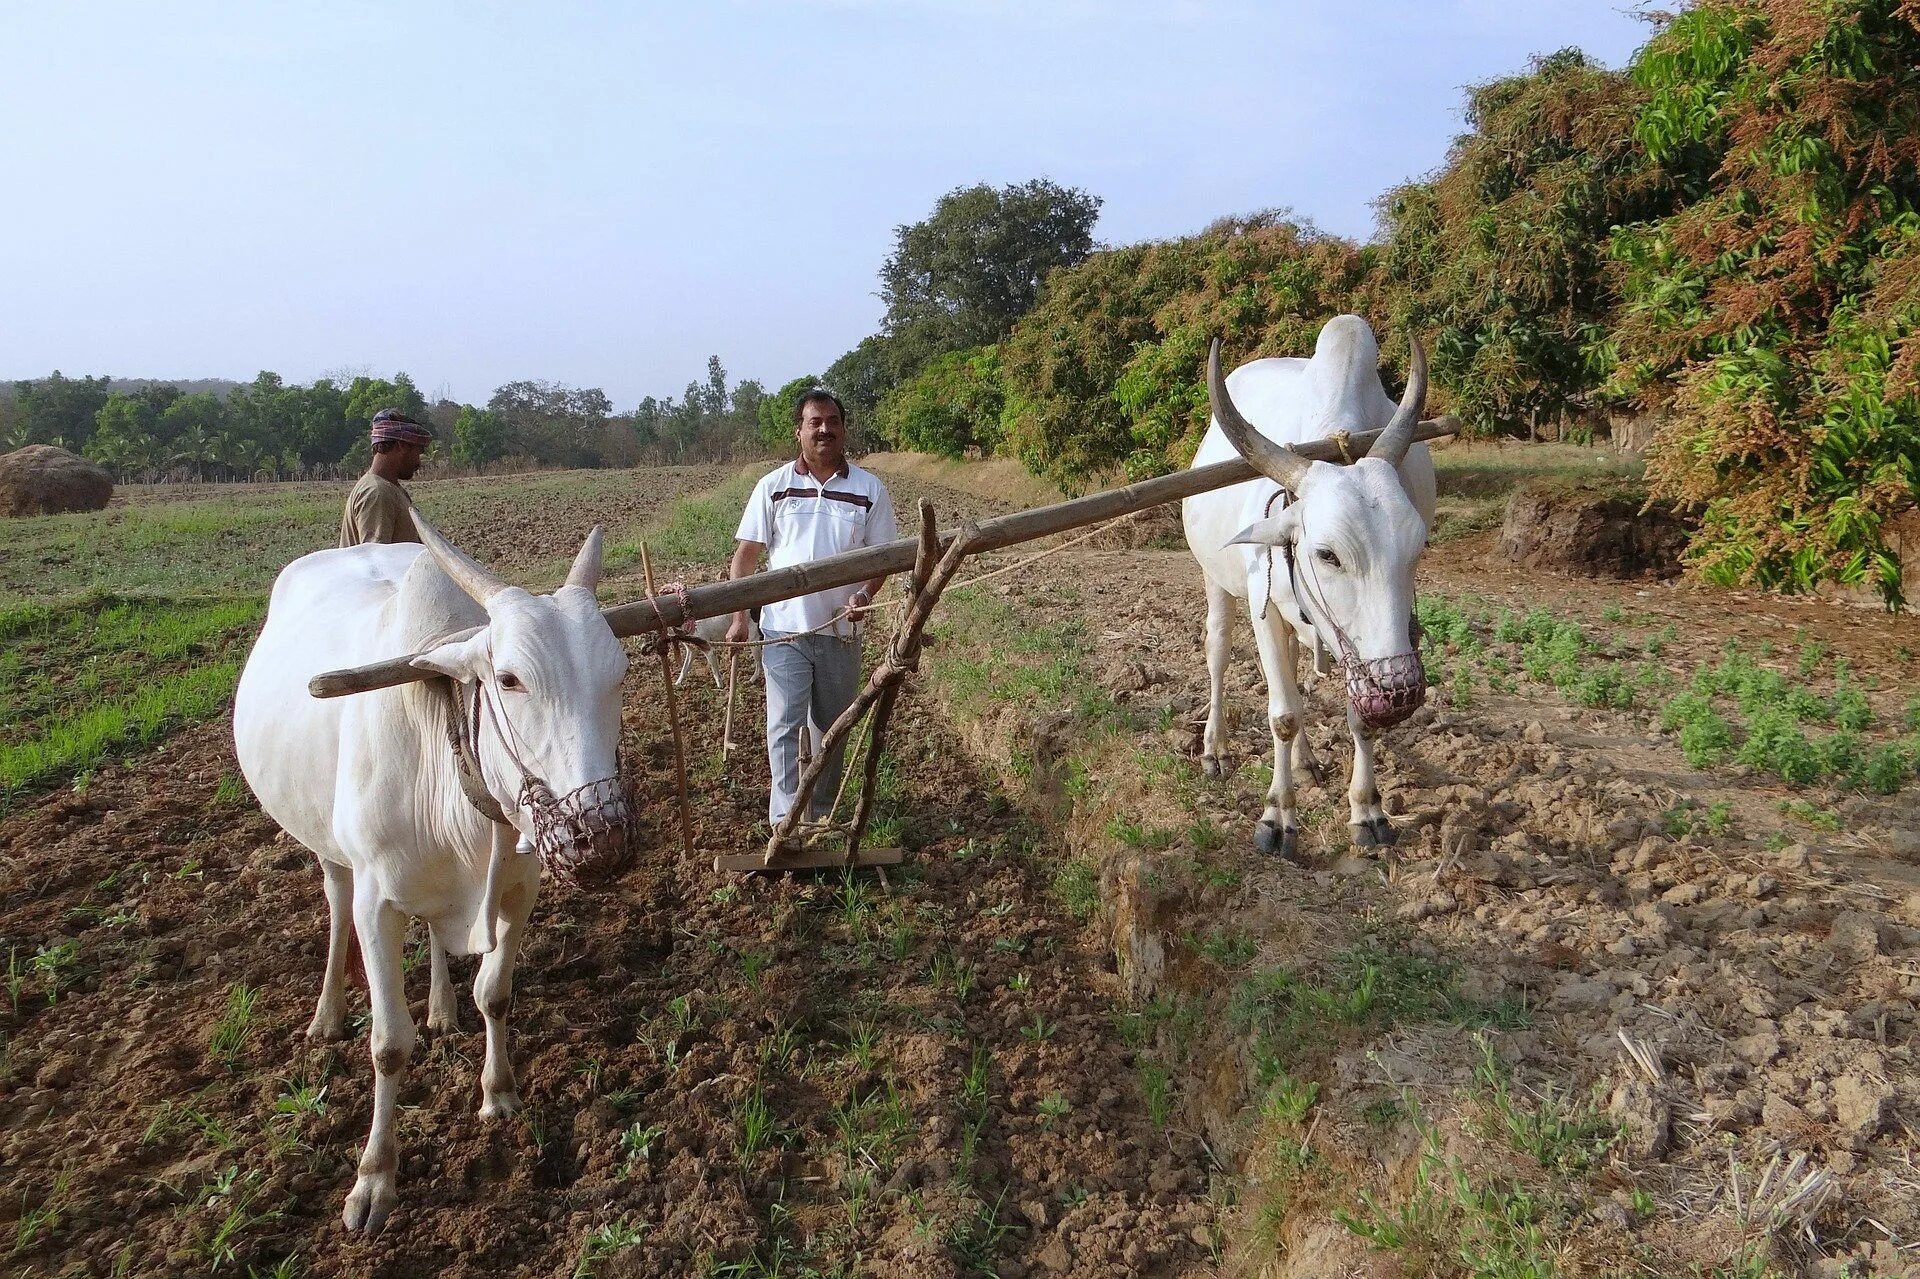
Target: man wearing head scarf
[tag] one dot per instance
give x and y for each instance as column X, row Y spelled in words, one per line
column 378, row 509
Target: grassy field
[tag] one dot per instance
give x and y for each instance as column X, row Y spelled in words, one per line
column 118, row 627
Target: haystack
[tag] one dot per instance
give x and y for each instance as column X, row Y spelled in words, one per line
column 44, row 479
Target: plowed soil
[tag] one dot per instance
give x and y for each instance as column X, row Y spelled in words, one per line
column 935, row 1058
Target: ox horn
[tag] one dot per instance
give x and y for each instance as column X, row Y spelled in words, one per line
column 586, row 565
column 1281, row 465
column 1391, row 445
column 466, row 572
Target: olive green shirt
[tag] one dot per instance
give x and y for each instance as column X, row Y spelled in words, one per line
column 377, row 511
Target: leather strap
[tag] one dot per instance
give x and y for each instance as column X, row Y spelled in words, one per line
column 462, row 734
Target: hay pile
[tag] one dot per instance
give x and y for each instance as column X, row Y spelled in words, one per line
column 43, row 479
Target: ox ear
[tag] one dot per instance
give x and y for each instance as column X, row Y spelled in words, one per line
column 464, row 660
column 1277, row 531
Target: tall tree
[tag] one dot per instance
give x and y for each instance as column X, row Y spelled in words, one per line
column 961, row 277
column 58, row 409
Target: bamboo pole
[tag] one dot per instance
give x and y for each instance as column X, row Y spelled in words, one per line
column 673, row 721
column 731, row 596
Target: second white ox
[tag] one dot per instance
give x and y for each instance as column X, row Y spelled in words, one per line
column 1321, row 554
column 371, row 785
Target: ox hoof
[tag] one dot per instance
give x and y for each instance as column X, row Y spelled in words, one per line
column 1213, row 766
column 323, row 1029
column 369, row 1204
column 1383, row 832
column 502, row 1105
column 1276, row 840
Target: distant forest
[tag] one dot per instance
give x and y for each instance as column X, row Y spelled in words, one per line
column 215, row 429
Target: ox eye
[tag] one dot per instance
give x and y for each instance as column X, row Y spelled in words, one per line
column 510, row 681
column 1326, row 556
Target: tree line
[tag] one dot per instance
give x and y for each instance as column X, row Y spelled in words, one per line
column 268, row 427
column 1722, row 238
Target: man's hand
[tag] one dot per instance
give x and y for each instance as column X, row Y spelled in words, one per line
column 737, row 632
column 859, row 605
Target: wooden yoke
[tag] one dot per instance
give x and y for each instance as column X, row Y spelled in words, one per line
column 868, row 562
column 788, row 848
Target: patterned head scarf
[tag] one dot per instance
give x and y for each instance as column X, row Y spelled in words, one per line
column 393, row 425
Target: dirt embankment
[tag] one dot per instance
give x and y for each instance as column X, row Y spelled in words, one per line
column 1701, row 986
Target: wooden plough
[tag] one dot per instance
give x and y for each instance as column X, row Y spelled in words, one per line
column 933, row 557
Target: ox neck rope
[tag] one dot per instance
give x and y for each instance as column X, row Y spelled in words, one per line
column 1385, row 690
column 584, row 834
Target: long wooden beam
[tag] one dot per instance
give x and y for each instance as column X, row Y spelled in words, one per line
column 717, row 598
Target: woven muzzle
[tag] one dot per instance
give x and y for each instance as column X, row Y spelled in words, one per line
column 585, row 836
column 1386, row 690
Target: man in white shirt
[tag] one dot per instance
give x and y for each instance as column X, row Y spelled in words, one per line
column 818, row 505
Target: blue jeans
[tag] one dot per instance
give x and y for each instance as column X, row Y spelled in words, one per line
column 809, row 676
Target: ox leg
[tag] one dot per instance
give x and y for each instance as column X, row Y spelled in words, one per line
column 493, row 992
column 1279, row 828
column 330, row 1017
column 686, row 662
column 443, row 1015
column 1366, row 820
column 1213, row 753
column 1304, row 760
column 383, row 934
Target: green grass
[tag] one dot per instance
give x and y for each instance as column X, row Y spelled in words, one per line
column 1375, row 982
column 694, row 530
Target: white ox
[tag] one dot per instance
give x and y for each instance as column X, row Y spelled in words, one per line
column 1322, row 555
column 369, row 782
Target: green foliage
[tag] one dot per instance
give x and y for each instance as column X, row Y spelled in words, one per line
column 951, row 407
column 479, row 436
column 1107, row 371
column 962, row 276
column 1501, row 256
column 775, row 414
column 1775, row 310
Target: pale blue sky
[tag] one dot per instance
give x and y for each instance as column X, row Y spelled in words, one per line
column 605, row 194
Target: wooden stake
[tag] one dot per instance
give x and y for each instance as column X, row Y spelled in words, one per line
column 726, row 725
column 902, row 656
column 673, row 719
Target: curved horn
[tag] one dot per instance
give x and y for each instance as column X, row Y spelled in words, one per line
column 586, row 565
column 1392, row 443
column 466, row 572
column 1281, row 465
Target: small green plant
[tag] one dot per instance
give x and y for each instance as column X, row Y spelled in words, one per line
column 637, row 1143
column 1818, row 818
column 1289, row 1100
column 236, row 1023
column 55, row 964
column 44, row 1217
column 1053, row 1106
column 1562, row 1135
column 755, row 1120
column 1039, row 1028
column 1613, row 613
column 604, row 1242
column 300, row 1099
column 1156, row 1089
column 1019, row 981
column 863, row 1036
